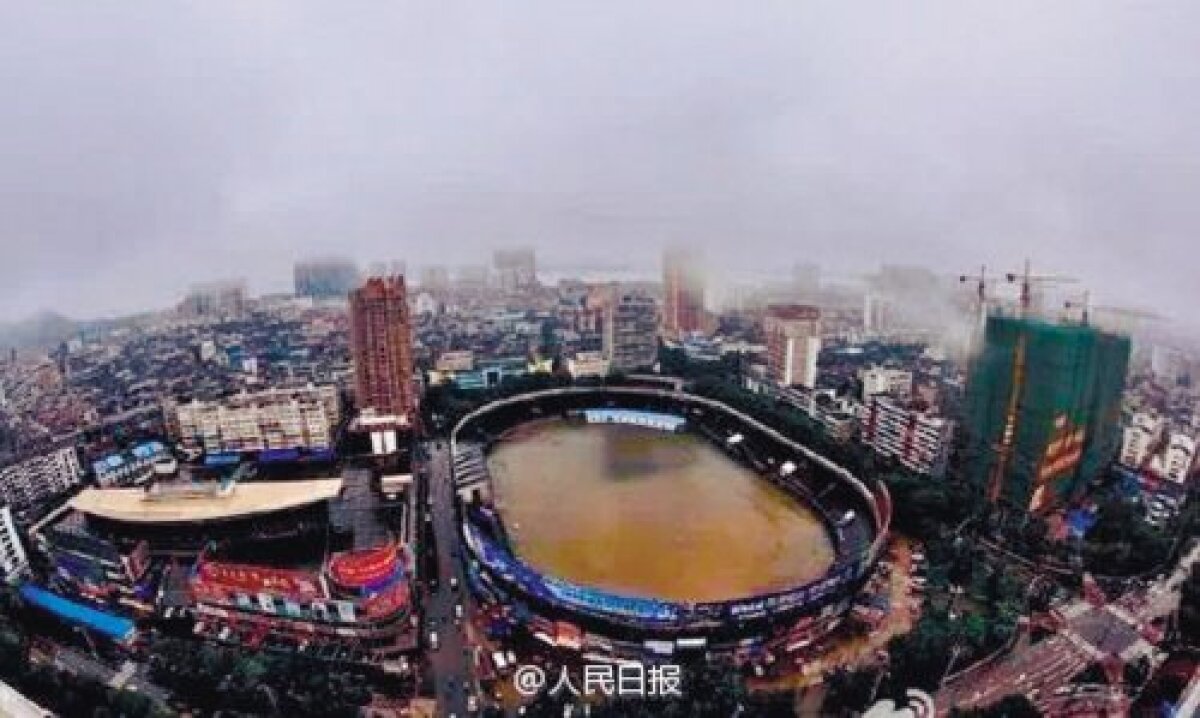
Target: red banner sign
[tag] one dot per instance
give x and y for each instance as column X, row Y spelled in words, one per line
column 364, row 568
column 257, row 579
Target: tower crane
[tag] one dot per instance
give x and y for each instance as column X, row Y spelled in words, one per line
column 982, row 284
column 1028, row 280
column 1087, row 310
column 980, row 280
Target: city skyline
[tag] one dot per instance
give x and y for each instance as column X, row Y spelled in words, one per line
column 528, row 359
column 154, row 147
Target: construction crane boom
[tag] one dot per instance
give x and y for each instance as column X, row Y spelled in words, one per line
column 1087, row 310
column 1028, row 279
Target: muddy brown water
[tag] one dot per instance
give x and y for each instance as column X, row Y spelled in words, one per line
column 641, row 512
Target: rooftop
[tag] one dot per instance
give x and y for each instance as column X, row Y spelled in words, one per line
column 244, row 499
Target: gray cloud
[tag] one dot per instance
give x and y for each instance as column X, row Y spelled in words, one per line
column 149, row 145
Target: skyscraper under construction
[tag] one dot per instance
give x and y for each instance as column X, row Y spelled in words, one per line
column 1043, row 409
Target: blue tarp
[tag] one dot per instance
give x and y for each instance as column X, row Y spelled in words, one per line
column 269, row 456
column 115, row 627
column 148, row 450
column 321, row 455
column 1081, row 521
column 222, row 459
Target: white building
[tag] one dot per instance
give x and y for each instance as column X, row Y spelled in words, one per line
column 130, row 467
column 39, row 477
column 917, row 439
column 793, row 343
column 1179, row 457
column 630, row 331
column 208, row 350
column 15, row 705
column 882, row 380
column 455, row 361
column 588, row 364
column 1167, row 363
column 13, row 561
column 840, row 416
column 426, row 303
column 1139, row 439
column 304, row 417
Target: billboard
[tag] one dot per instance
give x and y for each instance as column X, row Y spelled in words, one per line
column 387, row 602
column 259, row 579
column 358, row 569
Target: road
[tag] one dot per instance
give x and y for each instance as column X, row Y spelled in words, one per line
column 451, row 661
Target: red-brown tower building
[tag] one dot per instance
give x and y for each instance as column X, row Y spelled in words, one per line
column 381, row 342
column 683, row 294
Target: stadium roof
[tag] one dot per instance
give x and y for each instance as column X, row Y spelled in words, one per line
column 244, row 499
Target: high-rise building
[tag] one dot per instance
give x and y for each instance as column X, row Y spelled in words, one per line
column 212, row 300
column 13, row 561
column 435, row 278
column 793, row 343
column 381, row 344
column 516, row 269
column 917, row 439
column 1043, row 409
column 630, row 330
column 471, row 277
column 39, row 476
column 683, row 294
column 1179, row 458
column 324, row 277
column 1140, row 439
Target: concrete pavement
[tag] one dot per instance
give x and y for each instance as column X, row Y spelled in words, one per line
column 451, row 660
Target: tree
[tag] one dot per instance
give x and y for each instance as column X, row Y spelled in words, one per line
column 1189, row 609
column 847, row 692
column 1015, row 706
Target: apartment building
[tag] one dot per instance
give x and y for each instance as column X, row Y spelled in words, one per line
column 793, row 343
column 1140, row 440
column 918, row 439
column 1179, row 458
column 630, row 325
column 13, row 561
column 305, row 417
column 40, row 476
column 884, row 380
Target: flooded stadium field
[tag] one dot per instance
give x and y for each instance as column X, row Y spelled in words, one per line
column 641, row 512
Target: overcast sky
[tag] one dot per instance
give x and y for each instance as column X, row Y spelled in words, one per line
column 145, row 146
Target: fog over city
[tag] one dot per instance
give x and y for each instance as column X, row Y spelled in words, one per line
column 149, row 145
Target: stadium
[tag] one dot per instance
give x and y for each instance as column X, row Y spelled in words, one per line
column 621, row 602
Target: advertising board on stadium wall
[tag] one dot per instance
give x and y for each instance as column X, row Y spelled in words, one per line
column 648, row 611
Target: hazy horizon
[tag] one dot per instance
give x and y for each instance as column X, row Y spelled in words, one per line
column 149, row 147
